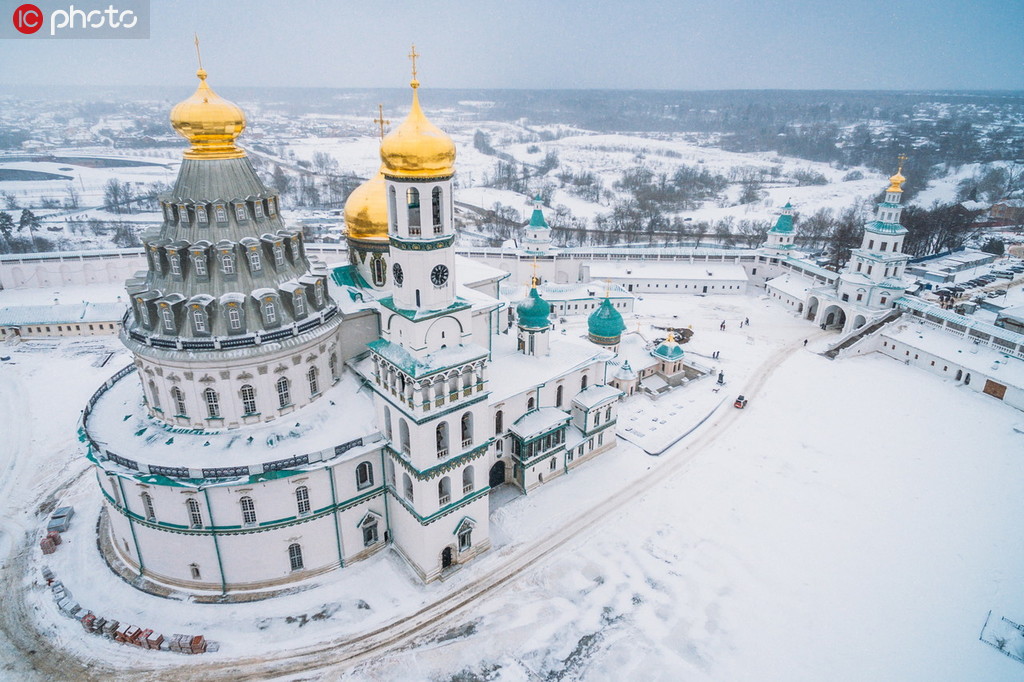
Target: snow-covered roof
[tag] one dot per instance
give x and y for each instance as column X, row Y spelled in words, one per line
column 979, row 358
column 119, row 423
column 791, row 285
column 667, row 270
column 932, row 310
column 511, row 372
column 592, row 396
column 538, row 421
column 73, row 313
column 439, row 360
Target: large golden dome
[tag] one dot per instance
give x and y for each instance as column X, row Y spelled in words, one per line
column 417, row 148
column 366, row 210
column 210, row 122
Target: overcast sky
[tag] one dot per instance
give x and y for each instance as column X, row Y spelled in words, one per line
column 660, row 44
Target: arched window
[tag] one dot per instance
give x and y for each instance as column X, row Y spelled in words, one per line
column 227, row 263
column 284, row 394
column 195, row 517
column 199, row 319
column 147, row 506
column 199, row 262
column 558, row 396
column 530, row 404
column 407, row 487
column 444, row 491
column 154, row 395
column 583, row 382
column 313, row 377
column 234, row 318
column 212, row 403
column 269, row 311
column 143, row 312
column 194, row 568
column 300, row 305
column 255, row 262
column 403, row 436
column 467, row 480
column 333, row 365
column 248, row 510
column 295, row 556
column 364, row 475
column 435, row 208
column 499, row 423
column 412, row 197
column 441, row 433
column 167, row 317
column 387, row 422
column 389, row 471
column 318, row 292
column 369, row 531
column 248, row 399
column 302, row 499
column 278, row 255
column 378, row 271
column 179, row 401
column 467, row 429
column 393, row 205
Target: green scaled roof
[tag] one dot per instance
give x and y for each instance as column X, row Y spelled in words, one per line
column 784, row 224
column 537, row 219
column 668, row 350
column 605, row 321
column 533, row 311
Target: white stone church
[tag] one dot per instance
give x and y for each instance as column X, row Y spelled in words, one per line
column 282, row 420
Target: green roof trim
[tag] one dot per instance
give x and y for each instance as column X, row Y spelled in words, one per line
column 879, row 227
column 389, row 303
column 348, row 276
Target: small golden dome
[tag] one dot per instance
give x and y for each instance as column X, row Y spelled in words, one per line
column 366, row 210
column 896, row 182
column 417, row 148
column 210, row 122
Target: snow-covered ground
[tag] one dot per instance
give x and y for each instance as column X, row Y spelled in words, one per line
column 842, row 527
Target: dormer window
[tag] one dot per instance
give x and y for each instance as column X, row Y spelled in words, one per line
column 300, row 305
column 168, row 212
column 183, row 214
column 220, row 212
column 201, row 216
column 175, row 261
column 278, row 255
column 240, row 213
column 167, row 317
column 234, row 318
column 199, row 319
column 143, row 311
column 318, row 292
column 199, row 262
column 269, row 310
column 270, row 206
column 255, row 262
column 227, row 262
column 258, row 208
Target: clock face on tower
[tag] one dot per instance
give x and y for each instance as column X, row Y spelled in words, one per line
column 399, row 275
column 439, row 275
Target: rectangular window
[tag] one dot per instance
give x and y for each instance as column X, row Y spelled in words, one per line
column 183, row 213
column 258, row 206
column 240, row 213
column 220, row 212
column 201, row 215
column 234, row 319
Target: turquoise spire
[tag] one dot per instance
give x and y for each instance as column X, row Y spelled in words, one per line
column 533, row 311
column 784, row 225
column 537, row 219
column 605, row 324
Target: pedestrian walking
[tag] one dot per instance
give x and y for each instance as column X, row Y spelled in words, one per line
column 746, row 321
column 805, row 342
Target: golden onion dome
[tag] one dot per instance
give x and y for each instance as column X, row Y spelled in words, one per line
column 417, row 148
column 896, row 182
column 366, row 210
column 210, row 122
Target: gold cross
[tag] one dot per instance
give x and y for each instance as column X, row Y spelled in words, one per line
column 380, row 120
column 901, row 158
column 413, row 55
column 199, row 55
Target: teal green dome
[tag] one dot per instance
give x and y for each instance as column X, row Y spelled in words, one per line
column 784, row 225
column 605, row 324
column 668, row 349
column 533, row 312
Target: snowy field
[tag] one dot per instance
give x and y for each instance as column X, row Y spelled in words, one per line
column 851, row 524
